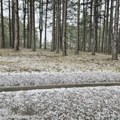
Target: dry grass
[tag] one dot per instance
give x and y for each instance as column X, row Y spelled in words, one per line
column 44, row 60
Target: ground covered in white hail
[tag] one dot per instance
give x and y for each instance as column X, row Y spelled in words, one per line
column 46, row 61
column 44, row 68
column 100, row 103
column 27, row 79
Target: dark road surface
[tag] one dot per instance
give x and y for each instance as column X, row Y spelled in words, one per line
column 24, row 88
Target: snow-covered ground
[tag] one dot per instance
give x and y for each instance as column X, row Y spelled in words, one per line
column 25, row 79
column 46, row 61
column 44, row 68
column 100, row 103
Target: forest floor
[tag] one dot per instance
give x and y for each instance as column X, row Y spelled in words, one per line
column 46, row 61
column 26, row 68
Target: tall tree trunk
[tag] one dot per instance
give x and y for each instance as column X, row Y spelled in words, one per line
column 28, row 24
column 100, row 29
column 31, row 27
column 64, row 28
column 110, row 27
column 58, row 26
column 16, row 16
column 13, row 25
column 2, row 22
column 106, row 27
column 24, row 23
column 9, row 4
column 41, row 22
column 46, row 14
column 119, row 42
column 62, row 15
column 78, row 28
column 90, row 26
column 53, row 29
column 33, row 45
column 115, row 39
column 103, row 32
column 84, row 26
column 95, row 27
column 62, row 19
